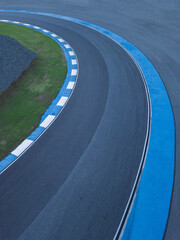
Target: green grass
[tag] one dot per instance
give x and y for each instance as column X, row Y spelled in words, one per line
column 25, row 101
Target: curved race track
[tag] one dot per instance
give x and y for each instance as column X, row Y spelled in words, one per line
column 75, row 181
column 153, row 27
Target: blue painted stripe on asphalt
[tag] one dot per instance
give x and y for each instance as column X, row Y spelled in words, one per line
column 7, row 161
column 150, row 211
column 37, row 132
column 56, row 109
column 53, row 109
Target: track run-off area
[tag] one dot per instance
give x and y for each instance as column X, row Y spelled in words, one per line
column 87, row 162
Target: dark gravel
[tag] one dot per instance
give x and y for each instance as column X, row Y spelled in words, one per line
column 14, row 59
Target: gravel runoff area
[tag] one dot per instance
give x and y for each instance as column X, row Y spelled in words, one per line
column 14, row 59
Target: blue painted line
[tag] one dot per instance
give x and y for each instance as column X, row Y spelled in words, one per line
column 7, row 161
column 37, row 132
column 53, row 109
column 56, row 110
column 150, row 210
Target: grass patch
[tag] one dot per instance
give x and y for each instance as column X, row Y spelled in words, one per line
column 25, row 101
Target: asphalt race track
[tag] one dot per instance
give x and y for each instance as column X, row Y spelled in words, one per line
column 85, row 164
column 74, row 183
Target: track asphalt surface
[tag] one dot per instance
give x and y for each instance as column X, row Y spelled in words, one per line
column 152, row 26
column 75, row 181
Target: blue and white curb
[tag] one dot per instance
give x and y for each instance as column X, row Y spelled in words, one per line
column 58, row 103
column 150, row 210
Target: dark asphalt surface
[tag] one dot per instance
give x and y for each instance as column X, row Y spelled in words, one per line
column 75, row 181
column 154, row 27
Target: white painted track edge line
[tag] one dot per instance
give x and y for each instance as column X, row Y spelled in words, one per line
column 132, row 196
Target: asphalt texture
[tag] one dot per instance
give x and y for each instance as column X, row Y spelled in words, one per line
column 152, row 26
column 14, row 59
column 75, row 181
